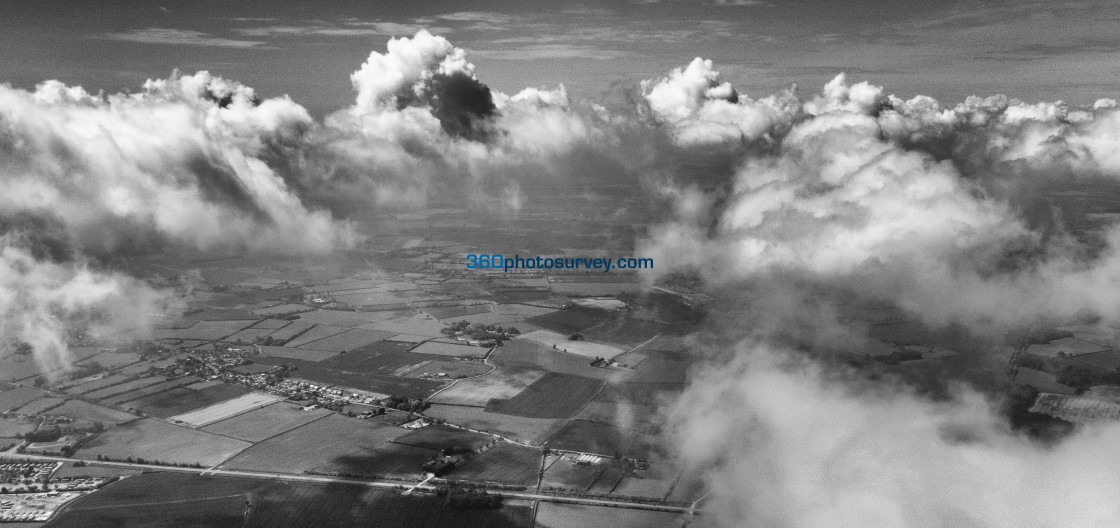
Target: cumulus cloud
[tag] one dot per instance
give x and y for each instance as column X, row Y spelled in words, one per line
column 177, row 161
column 786, row 443
column 45, row 304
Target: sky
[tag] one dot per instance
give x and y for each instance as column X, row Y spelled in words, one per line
column 1053, row 50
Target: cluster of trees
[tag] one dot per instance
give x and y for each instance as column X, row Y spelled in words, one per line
column 480, row 332
column 142, row 460
column 402, row 403
column 468, row 499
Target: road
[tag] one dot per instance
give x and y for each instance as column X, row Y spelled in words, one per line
column 355, row 482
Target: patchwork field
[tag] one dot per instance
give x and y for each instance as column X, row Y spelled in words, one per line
column 112, row 359
column 562, row 343
column 180, row 400
column 80, row 410
column 314, row 334
column 346, row 341
column 149, row 390
column 449, row 369
column 96, row 384
column 122, row 388
column 359, row 378
column 504, row 383
column 341, row 318
column 304, row 354
column 331, row 440
column 593, row 437
column 416, row 324
column 41, row 405
column 1068, row 345
column 445, row 312
column 564, row 472
column 282, row 309
column 441, row 437
column 529, row 430
column 552, row 396
column 207, row 330
column 553, row 515
column 575, row 319
column 291, row 330
column 13, row 427
column 157, row 440
column 447, row 349
column 522, row 354
column 220, row 411
column 505, row 462
column 18, row 397
column 265, row 422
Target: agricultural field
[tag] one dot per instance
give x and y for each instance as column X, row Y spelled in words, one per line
column 304, row 354
column 445, row 312
column 1099, row 334
column 1109, row 360
column 563, row 344
column 346, row 341
column 1070, row 346
column 489, row 318
column 207, row 330
column 1043, row 381
column 80, row 410
column 554, row 515
column 575, row 319
column 18, row 397
column 291, row 330
column 149, row 390
column 552, row 396
column 249, row 335
column 441, row 437
column 265, row 422
column 13, row 427
column 525, row 310
column 564, row 472
column 595, row 289
column 17, row 367
column 601, row 303
column 505, row 462
column 657, row 394
column 657, row 370
column 122, row 388
column 593, row 437
column 69, row 470
column 626, row 332
column 112, row 359
column 341, row 318
column 332, row 442
column 415, row 324
column 656, row 481
column 159, row 500
column 282, row 309
column 274, row 324
column 153, row 439
column 438, row 348
column 220, row 411
column 354, row 379
column 522, row 354
column 41, row 405
column 96, row 384
column 449, row 370
column 180, row 400
column 503, row 383
column 529, row 430
column 314, row 334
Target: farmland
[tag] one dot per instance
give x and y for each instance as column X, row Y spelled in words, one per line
column 266, row 422
column 41, row 405
column 149, row 390
column 80, row 410
column 502, row 383
column 552, row 396
column 575, row 319
column 529, row 430
column 506, row 463
column 18, row 397
column 314, row 334
column 317, row 444
column 346, row 341
column 562, row 343
column 449, row 370
column 122, row 388
column 156, row 440
column 181, row 399
column 522, row 354
column 440, row 437
column 296, row 353
column 220, row 411
column 552, row 515
column 602, row 439
column 291, row 330
column 96, row 384
column 438, row 348
column 376, row 383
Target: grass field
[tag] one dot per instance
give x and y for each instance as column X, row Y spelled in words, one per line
column 208, row 330
column 626, row 332
column 339, row 318
column 17, row 367
column 249, row 335
column 332, row 442
column 445, row 312
column 1109, row 360
column 150, row 390
column 266, row 422
column 12, row 427
column 41, row 405
column 314, row 334
column 80, row 410
column 595, row 289
column 437, row 348
column 657, row 370
column 282, row 309
column 354, row 379
column 564, row 472
column 415, row 324
column 112, row 359
column 575, row 319
column 488, row 318
column 291, row 330
column 1069, row 345
column 122, row 388
column 96, row 384
column 222, row 410
column 641, row 393
column 552, row 396
column 440, row 437
column 296, row 353
column 162, row 500
column 69, row 470
column 18, row 397
column 450, row 369
column 505, row 462
column 504, row 383
column 530, row 430
column 553, row 515
column 157, row 440
column 593, row 437
column 180, row 400
column 522, row 354
column 602, row 303
column 348, row 340
column 561, row 343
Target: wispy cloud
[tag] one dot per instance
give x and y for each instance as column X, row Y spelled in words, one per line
column 180, row 37
column 347, row 28
column 548, row 51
